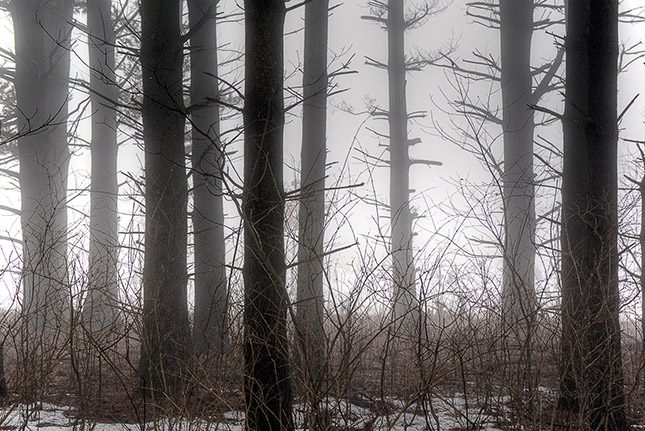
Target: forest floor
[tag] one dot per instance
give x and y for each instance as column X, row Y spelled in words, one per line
column 114, row 406
column 128, row 411
column 115, row 403
column 448, row 415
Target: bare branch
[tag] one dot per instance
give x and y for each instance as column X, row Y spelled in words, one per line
column 629, row 105
column 545, row 84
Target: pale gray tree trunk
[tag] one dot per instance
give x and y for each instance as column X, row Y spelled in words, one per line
column 403, row 272
column 310, row 300
column 518, row 285
column 166, row 341
column 100, row 311
column 518, row 294
column 310, row 297
column 591, row 374
column 211, row 294
column 42, row 38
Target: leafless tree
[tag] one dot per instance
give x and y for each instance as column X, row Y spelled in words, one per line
column 591, row 379
column 166, row 343
column 266, row 353
column 211, row 296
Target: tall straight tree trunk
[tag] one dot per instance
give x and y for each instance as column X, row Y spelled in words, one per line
column 516, row 27
column 266, row 378
column 211, row 296
column 591, row 369
column 42, row 38
column 403, row 271
column 165, row 352
column 101, row 306
column 310, row 298
column 518, row 289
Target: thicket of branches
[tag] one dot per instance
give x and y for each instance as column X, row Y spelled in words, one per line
column 200, row 281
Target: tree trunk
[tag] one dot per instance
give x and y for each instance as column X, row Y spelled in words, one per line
column 165, row 353
column 518, row 295
column 591, row 369
column 403, row 271
column 266, row 379
column 101, row 307
column 211, row 295
column 518, row 286
column 42, row 37
column 310, row 301
column 310, row 297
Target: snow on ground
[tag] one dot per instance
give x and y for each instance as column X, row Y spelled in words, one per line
column 443, row 414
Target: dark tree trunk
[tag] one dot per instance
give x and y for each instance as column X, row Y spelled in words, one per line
column 211, row 295
column 42, row 37
column 403, row 271
column 101, row 307
column 591, row 376
column 165, row 351
column 266, row 377
column 516, row 17
column 310, row 298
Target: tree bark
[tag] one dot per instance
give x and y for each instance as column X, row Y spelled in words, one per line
column 42, row 38
column 165, row 354
column 518, row 295
column 211, row 295
column 310, row 296
column 591, row 369
column 101, row 306
column 266, row 378
column 403, row 271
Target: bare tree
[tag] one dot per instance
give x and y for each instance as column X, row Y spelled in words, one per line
column 165, row 351
column 43, row 38
column 400, row 214
column 516, row 75
column 591, row 380
column 211, row 296
column 310, row 300
column 101, row 306
column 266, row 378
column 516, row 28
column 396, row 20
column 310, row 296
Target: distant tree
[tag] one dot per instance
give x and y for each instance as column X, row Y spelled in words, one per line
column 42, row 39
column 166, row 342
column 310, row 300
column 591, row 380
column 101, row 306
column 310, row 296
column 403, row 271
column 396, row 19
column 266, row 378
column 516, row 31
column 522, row 87
column 211, row 296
